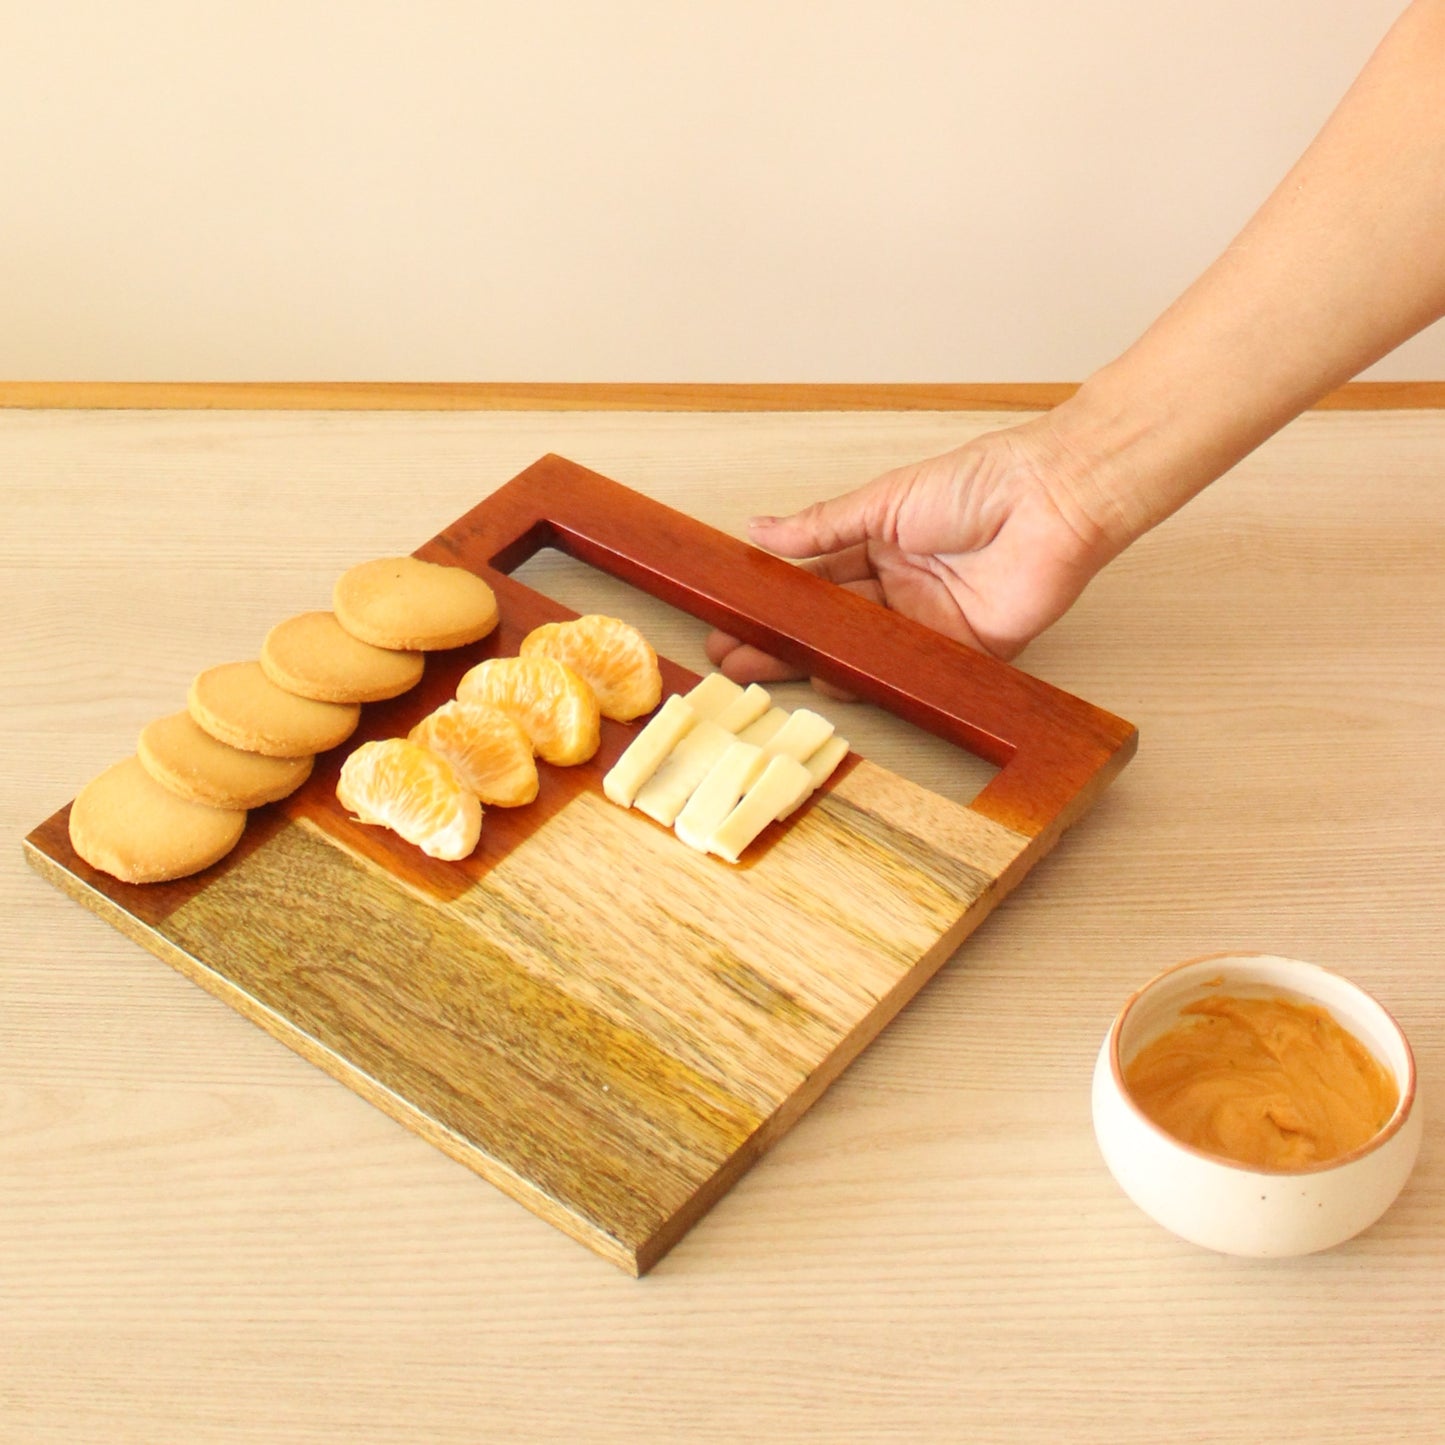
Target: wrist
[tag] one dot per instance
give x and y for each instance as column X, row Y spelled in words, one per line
column 1124, row 453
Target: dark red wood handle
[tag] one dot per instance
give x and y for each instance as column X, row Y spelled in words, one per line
column 1055, row 751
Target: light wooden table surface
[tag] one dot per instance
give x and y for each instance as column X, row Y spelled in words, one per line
column 203, row 1238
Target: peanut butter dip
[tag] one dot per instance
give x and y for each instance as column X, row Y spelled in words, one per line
column 1268, row 1082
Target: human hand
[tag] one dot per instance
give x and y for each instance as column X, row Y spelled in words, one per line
column 988, row 544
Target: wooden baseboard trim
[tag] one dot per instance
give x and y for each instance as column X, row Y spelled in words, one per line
column 533, row 396
column 615, row 396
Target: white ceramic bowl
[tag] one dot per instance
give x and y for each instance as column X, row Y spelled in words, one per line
column 1236, row 1208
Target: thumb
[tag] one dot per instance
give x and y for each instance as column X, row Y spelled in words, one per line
column 830, row 526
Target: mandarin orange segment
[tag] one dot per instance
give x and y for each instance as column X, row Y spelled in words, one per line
column 487, row 748
column 555, row 707
column 399, row 785
column 614, row 657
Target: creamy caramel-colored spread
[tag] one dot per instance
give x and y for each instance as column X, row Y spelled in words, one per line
column 1269, row 1082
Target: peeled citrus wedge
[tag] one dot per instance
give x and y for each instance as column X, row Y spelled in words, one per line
column 487, row 748
column 613, row 656
column 399, row 785
column 556, row 708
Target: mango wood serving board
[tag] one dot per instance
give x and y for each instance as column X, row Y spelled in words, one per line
column 607, row 1026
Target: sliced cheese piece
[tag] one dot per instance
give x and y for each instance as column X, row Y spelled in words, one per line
column 763, row 731
column 743, row 711
column 713, row 694
column 801, row 736
column 822, row 763
column 666, row 792
column 718, row 793
column 647, row 751
column 820, row 767
column 781, row 787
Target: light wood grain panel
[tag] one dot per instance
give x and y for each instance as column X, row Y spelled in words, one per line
column 688, row 958
column 590, row 1122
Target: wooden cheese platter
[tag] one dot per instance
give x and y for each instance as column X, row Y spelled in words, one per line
column 604, row 1024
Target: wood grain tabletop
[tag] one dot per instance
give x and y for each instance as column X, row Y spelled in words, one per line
column 205, row 1238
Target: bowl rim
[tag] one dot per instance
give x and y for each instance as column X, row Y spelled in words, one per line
column 1378, row 1140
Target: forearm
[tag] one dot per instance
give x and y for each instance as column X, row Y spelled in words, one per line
column 1343, row 262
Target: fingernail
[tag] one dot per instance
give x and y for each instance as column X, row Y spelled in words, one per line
column 763, row 521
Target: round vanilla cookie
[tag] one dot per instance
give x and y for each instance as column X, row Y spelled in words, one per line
column 314, row 656
column 128, row 825
column 238, row 704
column 182, row 756
column 403, row 602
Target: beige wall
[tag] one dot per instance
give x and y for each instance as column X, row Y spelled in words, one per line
column 642, row 189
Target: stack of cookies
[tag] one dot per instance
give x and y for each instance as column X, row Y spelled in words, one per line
column 251, row 730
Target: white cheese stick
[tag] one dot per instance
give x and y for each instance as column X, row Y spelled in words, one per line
column 822, row 763
column 645, row 754
column 712, row 695
column 783, row 785
column 820, row 767
column 666, row 792
column 718, row 793
column 801, row 736
column 763, row 731
column 743, row 711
